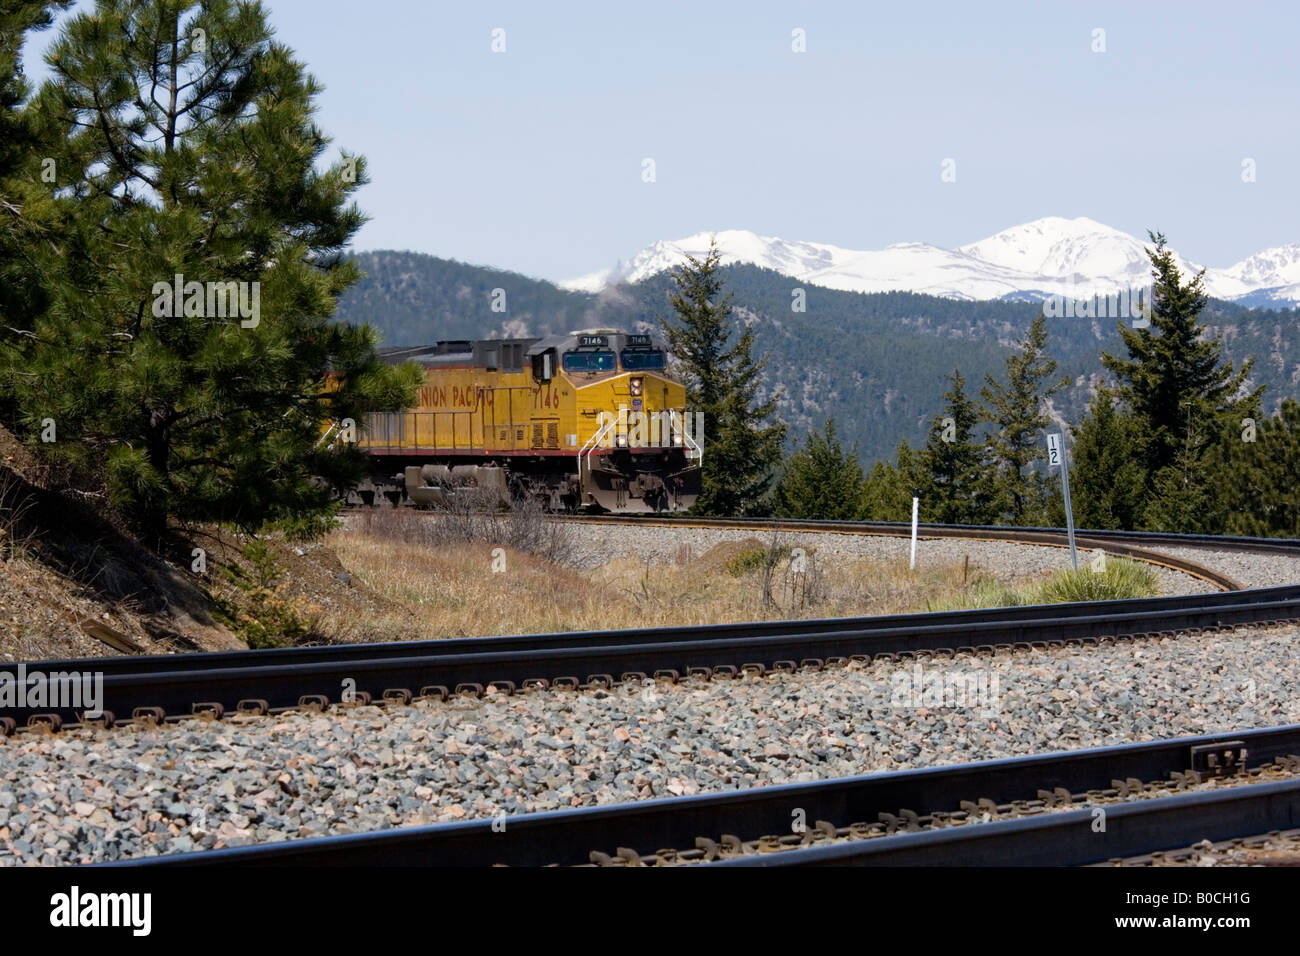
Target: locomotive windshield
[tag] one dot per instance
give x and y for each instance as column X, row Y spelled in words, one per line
column 589, row 361
column 636, row 361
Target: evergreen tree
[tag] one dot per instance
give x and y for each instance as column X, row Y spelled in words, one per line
column 887, row 491
column 821, row 479
column 1256, row 479
column 742, row 446
column 1175, row 383
column 1106, row 477
column 1181, row 501
column 24, row 202
column 1014, row 447
column 186, row 148
column 952, row 464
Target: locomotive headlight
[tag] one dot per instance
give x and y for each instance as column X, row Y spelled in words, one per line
column 677, row 438
column 635, row 385
column 621, row 440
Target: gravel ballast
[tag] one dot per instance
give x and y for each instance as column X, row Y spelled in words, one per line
column 84, row 795
column 1254, row 570
column 1007, row 560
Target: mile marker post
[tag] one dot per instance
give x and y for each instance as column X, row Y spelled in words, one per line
column 1056, row 455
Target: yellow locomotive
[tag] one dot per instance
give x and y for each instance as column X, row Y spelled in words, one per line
column 589, row 419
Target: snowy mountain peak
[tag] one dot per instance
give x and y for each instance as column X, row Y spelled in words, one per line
column 737, row 245
column 1277, row 266
column 1062, row 248
column 1049, row 256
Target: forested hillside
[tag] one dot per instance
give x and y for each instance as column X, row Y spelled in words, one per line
column 877, row 363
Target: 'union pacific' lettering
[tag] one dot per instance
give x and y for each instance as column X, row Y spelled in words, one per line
column 455, row 396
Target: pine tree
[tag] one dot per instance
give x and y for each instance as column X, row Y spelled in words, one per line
column 742, row 446
column 1014, row 447
column 24, row 203
column 821, row 479
column 1181, row 501
column 1255, row 482
column 887, row 490
column 955, row 487
column 1106, row 478
column 1175, row 382
column 186, row 148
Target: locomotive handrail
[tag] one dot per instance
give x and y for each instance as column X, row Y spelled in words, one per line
column 687, row 440
column 589, row 446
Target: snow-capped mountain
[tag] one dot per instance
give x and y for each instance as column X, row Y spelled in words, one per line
column 1052, row 256
column 1267, row 278
column 1069, row 248
column 738, row 245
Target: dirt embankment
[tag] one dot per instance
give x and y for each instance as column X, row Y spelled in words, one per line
column 75, row 583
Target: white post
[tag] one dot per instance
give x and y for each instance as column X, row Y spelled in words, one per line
column 916, row 507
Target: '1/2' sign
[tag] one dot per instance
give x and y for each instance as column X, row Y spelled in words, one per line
column 1053, row 449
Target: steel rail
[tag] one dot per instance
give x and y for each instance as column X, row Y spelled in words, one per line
column 1068, row 839
column 980, row 532
column 473, row 664
column 217, row 660
column 142, row 664
column 170, row 685
column 569, row 837
column 1135, row 544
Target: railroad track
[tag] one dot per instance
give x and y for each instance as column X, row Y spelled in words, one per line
column 1074, row 808
column 1037, row 809
column 1029, row 535
column 1139, row 545
column 154, row 689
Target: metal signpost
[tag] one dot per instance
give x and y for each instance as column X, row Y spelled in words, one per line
column 1056, row 456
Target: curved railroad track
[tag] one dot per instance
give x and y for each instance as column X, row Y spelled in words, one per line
column 1140, row 545
column 1030, row 809
column 1028, row 535
column 157, row 688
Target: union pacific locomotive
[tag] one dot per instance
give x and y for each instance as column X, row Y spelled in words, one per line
column 592, row 419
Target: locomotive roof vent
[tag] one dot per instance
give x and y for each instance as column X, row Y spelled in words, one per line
column 453, row 345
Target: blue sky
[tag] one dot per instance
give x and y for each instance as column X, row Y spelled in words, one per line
column 531, row 159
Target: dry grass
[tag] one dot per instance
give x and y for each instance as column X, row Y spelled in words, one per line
column 454, row 591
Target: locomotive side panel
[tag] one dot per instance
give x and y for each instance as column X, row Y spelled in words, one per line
column 470, row 412
column 552, row 419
